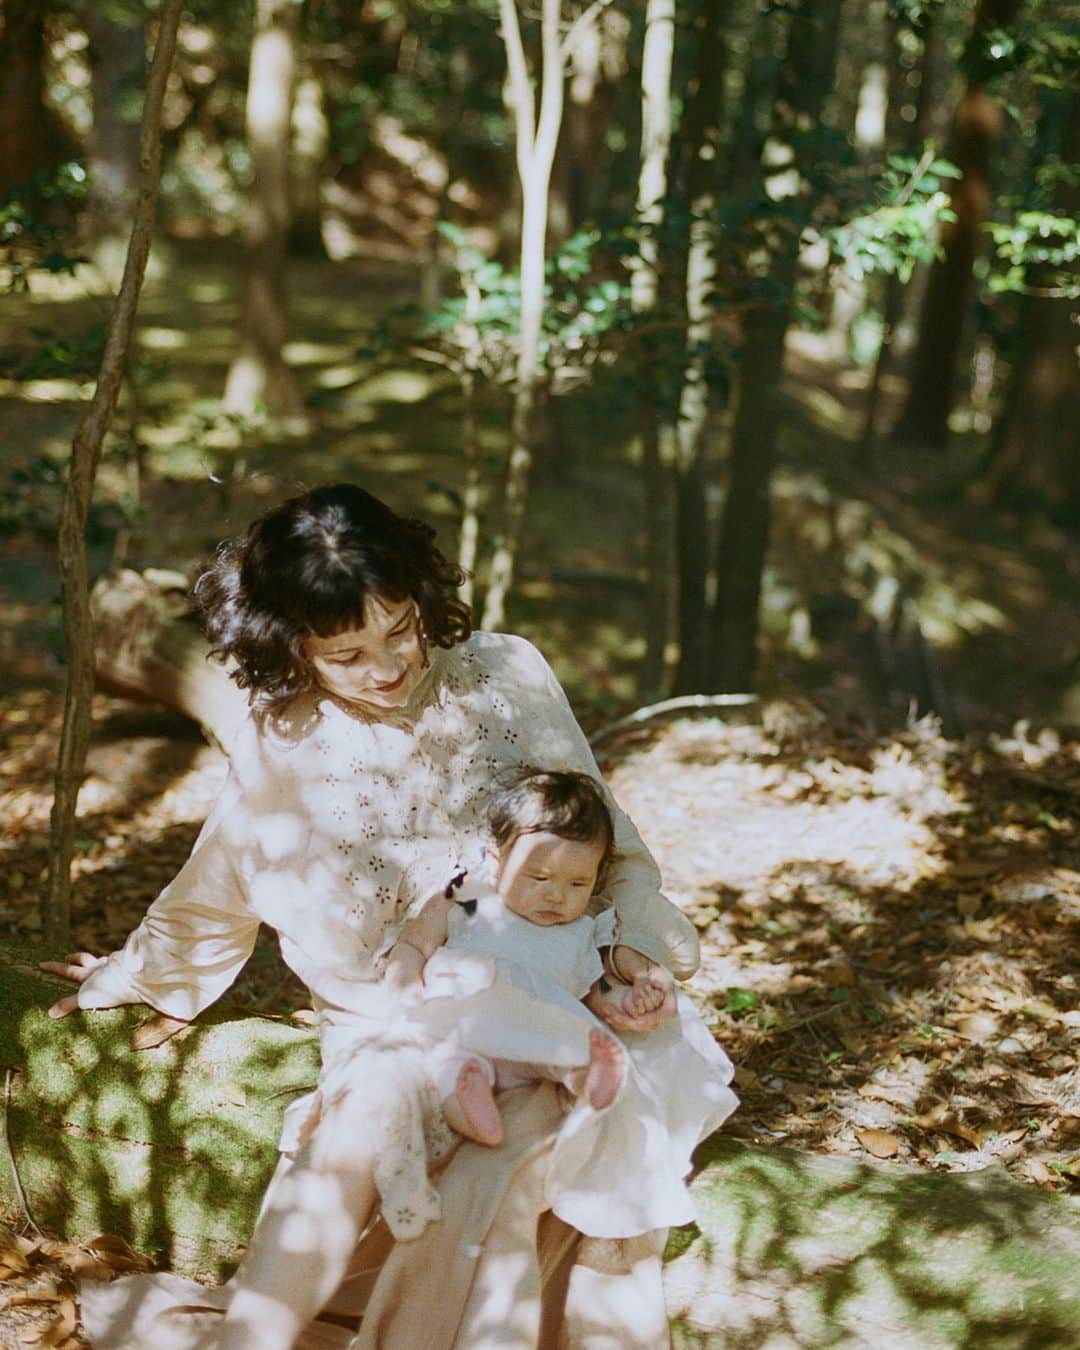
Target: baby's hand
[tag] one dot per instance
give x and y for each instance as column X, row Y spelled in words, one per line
column 643, row 996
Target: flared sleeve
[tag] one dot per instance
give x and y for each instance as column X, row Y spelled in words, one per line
column 549, row 736
column 196, row 935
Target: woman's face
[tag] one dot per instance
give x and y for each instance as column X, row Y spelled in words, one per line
column 378, row 664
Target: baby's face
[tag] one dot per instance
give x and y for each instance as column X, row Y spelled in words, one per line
column 547, row 879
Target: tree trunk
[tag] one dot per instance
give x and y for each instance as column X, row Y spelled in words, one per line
column 258, row 374
column 173, row 1148
column 24, row 123
column 1036, row 453
column 117, row 51
column 536, row 142
column 656, row 408
column 307, row 162
column 805, row 78
column 703, row 131
column 85, row 453
column 977, row 125
column 907, row 136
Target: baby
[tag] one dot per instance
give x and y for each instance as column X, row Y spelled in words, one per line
column 503, row 964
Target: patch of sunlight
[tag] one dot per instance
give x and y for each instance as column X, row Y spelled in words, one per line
column 314, row 353
column 60, row 286
column 401, row 386
column 826, row 407
column 163, row 339
column 397, row 462
column 209, row 292
column 48, row 391
column 339, row 377
column 164, row 436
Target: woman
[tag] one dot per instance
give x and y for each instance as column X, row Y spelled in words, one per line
column 377, row 722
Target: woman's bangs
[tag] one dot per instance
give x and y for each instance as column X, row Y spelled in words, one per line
column 337, row 603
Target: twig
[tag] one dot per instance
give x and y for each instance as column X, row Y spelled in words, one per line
column 19, row 1192
column 579, row 26
column 815, row 1016
column 684, row 701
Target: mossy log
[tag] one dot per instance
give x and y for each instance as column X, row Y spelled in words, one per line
column 172, row 1147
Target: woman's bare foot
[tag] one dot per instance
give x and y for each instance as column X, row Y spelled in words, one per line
column 471, row 1110
column 606, row 1070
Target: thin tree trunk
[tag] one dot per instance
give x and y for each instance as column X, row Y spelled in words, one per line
column 310, row 143
column 117, row 51
column 536, row 142
column 704, row 121
column 469, row 543
column 1036, row 449
column 806, row 76
column 258, row 374
column 977, row 125
column 85, row 453
column 908, row 137
column 656, row 415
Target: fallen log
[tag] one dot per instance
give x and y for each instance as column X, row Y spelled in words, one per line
column 148, row 646
column 171, row 1148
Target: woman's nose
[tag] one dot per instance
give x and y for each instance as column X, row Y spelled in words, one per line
column 385, row 665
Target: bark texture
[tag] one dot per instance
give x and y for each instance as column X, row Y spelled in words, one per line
column 804, row 81
column 977, row 126
column 85, row 453
column 536, row 139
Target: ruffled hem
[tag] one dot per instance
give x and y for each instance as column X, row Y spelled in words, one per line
column 406, row 1129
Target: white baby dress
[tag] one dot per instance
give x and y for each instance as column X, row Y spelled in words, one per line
column 510, row 990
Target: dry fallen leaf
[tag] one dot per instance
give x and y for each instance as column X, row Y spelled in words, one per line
column 882, row 1092
column 879, row 1143
column 156, row 1031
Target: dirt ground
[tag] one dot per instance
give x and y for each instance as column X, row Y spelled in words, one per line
column 889, row 925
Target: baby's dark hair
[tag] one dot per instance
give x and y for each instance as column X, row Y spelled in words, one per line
column 570, row 805
column 309, row 566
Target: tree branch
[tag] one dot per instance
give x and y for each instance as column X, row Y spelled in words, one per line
column 581, row 25
column 521, row 90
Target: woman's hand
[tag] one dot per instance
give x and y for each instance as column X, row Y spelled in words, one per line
column 79, row 966
column 640, row 998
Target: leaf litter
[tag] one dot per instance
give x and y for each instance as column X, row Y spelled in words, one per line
column 888, row 924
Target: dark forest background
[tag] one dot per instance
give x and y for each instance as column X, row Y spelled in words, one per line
column 730, row 344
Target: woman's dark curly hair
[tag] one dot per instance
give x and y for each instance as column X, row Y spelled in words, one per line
column 309, row 566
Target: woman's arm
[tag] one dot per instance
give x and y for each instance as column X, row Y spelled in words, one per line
column 191, row 944
column 549, row 735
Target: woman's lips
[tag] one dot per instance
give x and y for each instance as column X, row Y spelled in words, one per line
column 395, row 684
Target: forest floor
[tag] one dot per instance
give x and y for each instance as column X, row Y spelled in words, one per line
column 889, row 919
column 889, row 924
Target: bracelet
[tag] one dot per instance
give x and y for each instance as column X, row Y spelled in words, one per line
column 613, row 966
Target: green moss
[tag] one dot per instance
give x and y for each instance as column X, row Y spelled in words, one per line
column 826, row 1248
column 170, row 1147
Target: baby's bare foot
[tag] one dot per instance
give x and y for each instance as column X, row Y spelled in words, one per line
column 606, row 1070
column 471, row 1110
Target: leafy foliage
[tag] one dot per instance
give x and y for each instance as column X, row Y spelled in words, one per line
column 37, row 222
